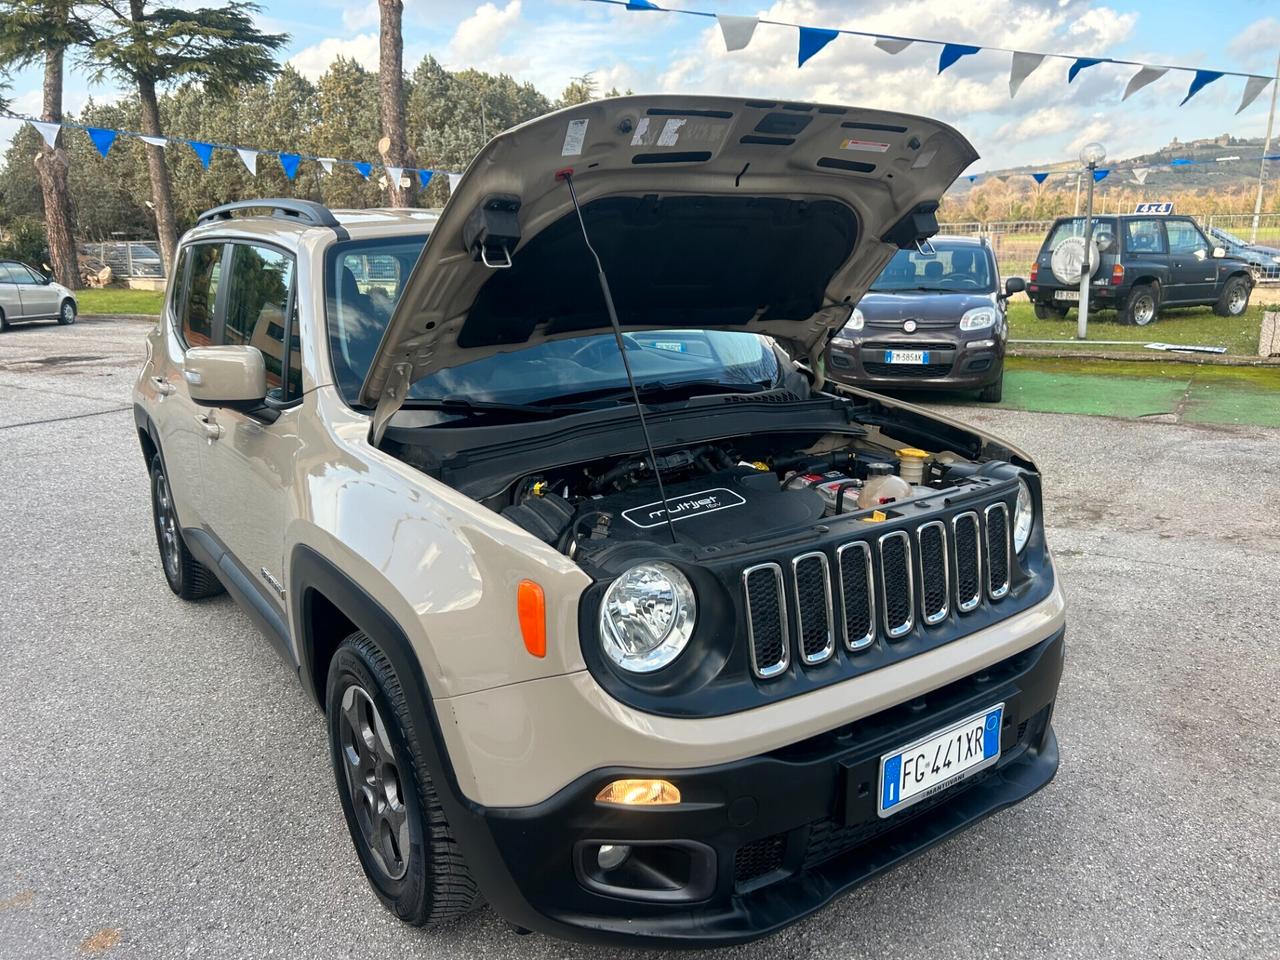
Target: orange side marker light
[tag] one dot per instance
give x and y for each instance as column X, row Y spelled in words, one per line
column 531, row 605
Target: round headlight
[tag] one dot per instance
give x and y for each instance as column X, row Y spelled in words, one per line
column 647, row 617
column 1024, row 515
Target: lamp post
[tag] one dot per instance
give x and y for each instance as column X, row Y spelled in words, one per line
column 1091, row 155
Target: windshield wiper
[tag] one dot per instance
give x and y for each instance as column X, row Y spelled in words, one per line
column 659, row 387
column 463, row 405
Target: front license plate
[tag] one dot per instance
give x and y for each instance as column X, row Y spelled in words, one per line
column 1066, row 294
column 939, row 761
column 906, row 356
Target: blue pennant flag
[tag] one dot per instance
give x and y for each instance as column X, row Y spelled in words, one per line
column 1201, row 80
column 362, row 168
column 203, row 150
column 972, row 178
column 1039, row 177
column 813, row 39
column 641, row 5
column 1181, row 162
column 951, row 52
column 102, row 139
column 1082, row 63
column 290, row 163
column 424, row 178
column 1100, row 175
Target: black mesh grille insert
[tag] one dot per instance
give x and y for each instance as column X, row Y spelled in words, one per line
column 908, row 371
column 997, row 550
column 968, row 577
column 811, row 606
column 855, row 593
column 768, row 638
column 759, row 857
column 933, row 571
column 895, row 572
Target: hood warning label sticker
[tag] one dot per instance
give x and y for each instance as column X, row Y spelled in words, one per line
column 684, row 507
column 870, row 146
column 574, row 135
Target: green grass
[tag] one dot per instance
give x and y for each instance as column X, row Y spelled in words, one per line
column 1198, row 326
column 120, row 300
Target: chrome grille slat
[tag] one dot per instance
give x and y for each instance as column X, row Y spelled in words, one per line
column 768, row 639
column 966, row 531
column 813, row 607
column 997, row 517
column 935, row 587
column 897, row 585
column 857, row 595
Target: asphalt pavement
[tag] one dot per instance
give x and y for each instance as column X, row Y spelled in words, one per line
column 166, row 789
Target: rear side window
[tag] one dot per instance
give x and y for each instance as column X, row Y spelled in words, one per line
column 1104, row 232
column 1184, row 237
column 260, row 313
column 1144, row 236
column 203, row 270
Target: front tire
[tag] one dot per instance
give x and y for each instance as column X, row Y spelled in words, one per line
column 1234, row 299
column 992, row 392
column 393, row 812
column 4, row 322
column 1142, row 306
column 187, row 577
column 67, row 312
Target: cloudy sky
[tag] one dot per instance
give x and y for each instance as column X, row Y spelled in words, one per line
column 547, row 42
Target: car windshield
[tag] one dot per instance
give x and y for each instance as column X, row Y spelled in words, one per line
column 1227, row 237
column 950, row 268
column 364, row 279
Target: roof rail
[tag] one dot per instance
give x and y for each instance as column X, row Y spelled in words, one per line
column 305, row 210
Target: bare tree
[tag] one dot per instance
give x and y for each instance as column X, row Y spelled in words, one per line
column 394, row 145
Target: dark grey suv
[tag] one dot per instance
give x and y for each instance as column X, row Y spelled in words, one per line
column 933, row 320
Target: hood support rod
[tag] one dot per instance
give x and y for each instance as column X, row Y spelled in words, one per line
column 567, row 177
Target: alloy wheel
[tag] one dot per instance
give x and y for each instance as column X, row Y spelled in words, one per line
column 167, row 527
column 373, row 782
column 1236, row 302
column 68, row 312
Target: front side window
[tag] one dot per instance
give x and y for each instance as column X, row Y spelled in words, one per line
column 952, row 267
column 203, row 263
column 1143, row 236
column 259, row 298
column 21, row 275
column 1184, row 238
column 364, row 281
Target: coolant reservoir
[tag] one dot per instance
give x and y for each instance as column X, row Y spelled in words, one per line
column 911, row 463
column 882, row 486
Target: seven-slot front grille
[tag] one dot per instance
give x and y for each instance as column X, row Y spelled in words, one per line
column 880, row 587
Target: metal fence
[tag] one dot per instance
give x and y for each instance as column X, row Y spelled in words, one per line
column 1017, row 242
column 128, row 259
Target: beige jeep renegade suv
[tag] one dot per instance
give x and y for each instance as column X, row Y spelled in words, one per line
column 622, row 617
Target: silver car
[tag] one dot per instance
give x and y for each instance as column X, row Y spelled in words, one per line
column 27, row 294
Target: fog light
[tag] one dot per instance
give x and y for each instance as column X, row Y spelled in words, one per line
column 612, row 856
column 639, row 793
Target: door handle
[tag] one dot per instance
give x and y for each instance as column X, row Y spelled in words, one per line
column 163, row 386
column 211, row 428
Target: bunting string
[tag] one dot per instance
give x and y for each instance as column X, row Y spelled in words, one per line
column 103, row 138
column 738, row 32
column 1140, row 171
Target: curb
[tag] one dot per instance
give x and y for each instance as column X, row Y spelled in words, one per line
column 1198, row 359
column 148, row 317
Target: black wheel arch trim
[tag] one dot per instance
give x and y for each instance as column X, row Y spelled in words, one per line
column 309, row 572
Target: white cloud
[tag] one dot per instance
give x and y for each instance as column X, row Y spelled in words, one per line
column 482, row 34
column 315, row 60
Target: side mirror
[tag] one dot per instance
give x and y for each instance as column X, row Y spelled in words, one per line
column 1014, row 285
column 225, row 376
column 1219, row 252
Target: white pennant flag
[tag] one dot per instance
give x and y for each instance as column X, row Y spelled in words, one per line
column 1252, row 87
column 48, row 130
column 155, row 141
column 1140, row 174
column 250, row 159
column 327, row 163
column 1024, row 64
column 393, row 176
column 1143, row 77
column 890, row 45
column 737, row 30
column 453, row 182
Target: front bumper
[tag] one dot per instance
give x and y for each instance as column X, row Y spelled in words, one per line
column 766, row 840
column 955, row 362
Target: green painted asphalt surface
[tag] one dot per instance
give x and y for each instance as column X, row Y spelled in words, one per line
column 1183, row 392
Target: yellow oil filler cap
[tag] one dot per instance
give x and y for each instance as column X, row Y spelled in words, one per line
column 911, row 463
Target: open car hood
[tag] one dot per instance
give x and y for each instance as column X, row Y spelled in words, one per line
column 706, row 212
